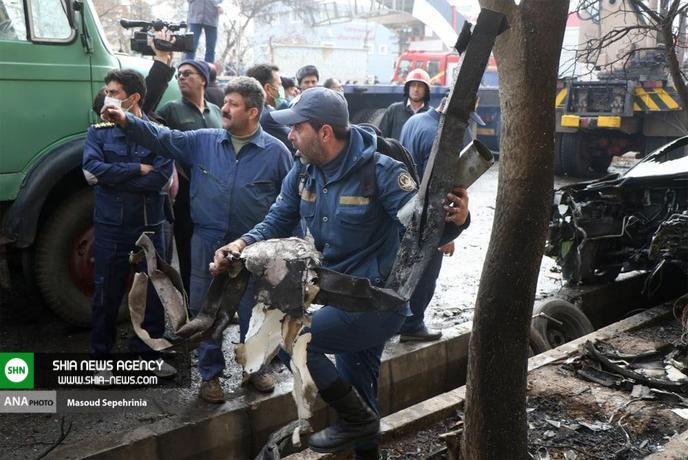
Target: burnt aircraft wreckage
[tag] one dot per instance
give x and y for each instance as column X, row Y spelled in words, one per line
column 288, row 272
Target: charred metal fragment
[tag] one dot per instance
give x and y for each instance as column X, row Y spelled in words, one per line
column 427, row 221
column 592, row 352
column 354, row 294
column 221, row 302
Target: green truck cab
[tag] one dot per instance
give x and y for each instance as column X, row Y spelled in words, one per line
column 53, row 58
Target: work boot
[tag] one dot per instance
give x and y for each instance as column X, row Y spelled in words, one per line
column 356, row 423
column 424, row 334
column 262, row 381
column 211, row 391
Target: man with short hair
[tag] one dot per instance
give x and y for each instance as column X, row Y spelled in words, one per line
column 192, row 111
column 333, row 84
column 307, row 77
column 235, row 175
column 130, row 182
column 269, row 78
column 290, row 92
column 357, row 229
column 416, row 98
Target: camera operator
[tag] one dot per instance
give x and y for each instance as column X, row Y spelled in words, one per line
column 190, row 112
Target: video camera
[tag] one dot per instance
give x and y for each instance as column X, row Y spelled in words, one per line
column 139, row 42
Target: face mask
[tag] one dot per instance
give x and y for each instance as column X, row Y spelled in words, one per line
column 279, row 100
column 112, row 101
column 116, row 102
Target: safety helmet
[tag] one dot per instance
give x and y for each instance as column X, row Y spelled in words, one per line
column 421, row 76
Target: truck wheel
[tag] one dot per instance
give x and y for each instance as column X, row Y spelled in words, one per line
column 64, row 260
column 573, row 321
column 569, row 156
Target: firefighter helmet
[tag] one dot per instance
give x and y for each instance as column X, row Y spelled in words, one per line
column 419, row 75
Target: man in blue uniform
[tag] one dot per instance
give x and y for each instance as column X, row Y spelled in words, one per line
column 235, row 175
column 129, row 182
column 356, row 228
column 417, row 136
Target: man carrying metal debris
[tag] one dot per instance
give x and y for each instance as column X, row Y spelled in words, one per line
column 349, row 196
column 235, row 175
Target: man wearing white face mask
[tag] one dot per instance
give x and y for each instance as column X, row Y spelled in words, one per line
column 129, row 182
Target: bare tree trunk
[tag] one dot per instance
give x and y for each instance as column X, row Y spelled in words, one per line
column 672, row 63
column 527, row 58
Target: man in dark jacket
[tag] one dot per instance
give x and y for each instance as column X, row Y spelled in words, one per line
column 192, row 111
column 214, row 92
column 269, row 78
column 416, row 97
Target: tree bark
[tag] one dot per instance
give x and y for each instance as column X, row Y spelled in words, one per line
column 527, row 60
column 673, row 65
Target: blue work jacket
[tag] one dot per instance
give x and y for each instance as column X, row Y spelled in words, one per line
column 230, row 193
column 112, row 164
column 358, row 234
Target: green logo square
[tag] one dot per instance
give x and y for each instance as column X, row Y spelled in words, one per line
column 16, row 370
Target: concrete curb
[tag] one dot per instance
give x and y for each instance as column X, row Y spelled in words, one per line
column 410, row 373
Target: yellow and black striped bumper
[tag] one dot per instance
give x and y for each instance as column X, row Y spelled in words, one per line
column 655, row 100
column 644, row 99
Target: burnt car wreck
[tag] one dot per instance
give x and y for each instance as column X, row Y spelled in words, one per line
column 620, row 223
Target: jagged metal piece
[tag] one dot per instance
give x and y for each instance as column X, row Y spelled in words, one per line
column 427, row 223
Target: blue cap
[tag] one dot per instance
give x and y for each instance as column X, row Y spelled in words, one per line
column 202, row 67
column 315, row 104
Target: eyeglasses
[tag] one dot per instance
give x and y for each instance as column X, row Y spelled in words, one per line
column 186, row 74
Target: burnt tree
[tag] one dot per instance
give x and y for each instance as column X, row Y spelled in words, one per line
column 527, row 58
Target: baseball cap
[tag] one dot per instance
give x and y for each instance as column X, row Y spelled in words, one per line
column 315, row 104
column 202, row 67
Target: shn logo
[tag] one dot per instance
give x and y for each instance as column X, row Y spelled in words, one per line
column 16, row 370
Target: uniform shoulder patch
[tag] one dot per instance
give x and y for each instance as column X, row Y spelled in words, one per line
column 103, row 124
column 406, row 182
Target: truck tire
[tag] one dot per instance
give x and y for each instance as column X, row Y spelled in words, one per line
column 574, row 323
column 64, row 260
column 568, row 156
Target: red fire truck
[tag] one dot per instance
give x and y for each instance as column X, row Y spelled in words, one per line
column 438, row 65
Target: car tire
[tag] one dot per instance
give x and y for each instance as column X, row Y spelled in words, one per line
column 64, row 260
column 536, row 343
column 574, row 322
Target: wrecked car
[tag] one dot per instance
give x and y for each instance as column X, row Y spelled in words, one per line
column 637, row 220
